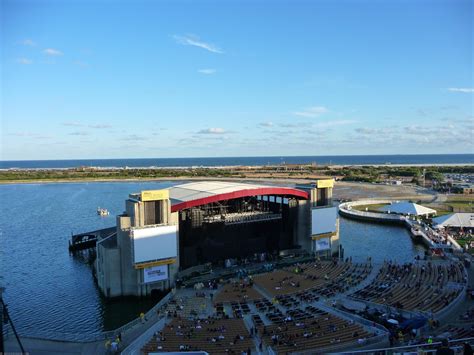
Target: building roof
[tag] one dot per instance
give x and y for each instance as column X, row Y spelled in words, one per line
column 408, row 208
column 460, row 220
column 203, row 192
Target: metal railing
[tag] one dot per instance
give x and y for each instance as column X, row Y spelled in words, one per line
column 427, row 348
column 138, row 320
column 338, row 347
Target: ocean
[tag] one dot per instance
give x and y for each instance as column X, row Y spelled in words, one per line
column 248, row 161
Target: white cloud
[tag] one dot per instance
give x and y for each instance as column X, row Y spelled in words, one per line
column 52, row 52
column 334, row 123
column 79, row 133
column 375, row 131
column 212, row 131
column 446, row 135
column 208, row 71
column 28, row 42
column 314, row 111
column 31, row 135
column 465, row 90
column 289, row 125
column 192, row 40
column 266, row 124
column 134, row 138
column 100, row 126
column 73, row 124
column 79, row 124
column 24, row 61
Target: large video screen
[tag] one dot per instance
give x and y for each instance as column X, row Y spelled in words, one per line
column 323, row 220
column 154, row 243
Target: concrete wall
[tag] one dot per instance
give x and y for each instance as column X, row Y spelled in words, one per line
column 335, row 241
column 111, row 283
column 108, row 270
column 303, row 225
column 304, row 220
column 99, row 268
column 129, row 276
column 174, row 219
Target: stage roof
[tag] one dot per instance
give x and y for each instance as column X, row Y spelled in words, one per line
column 203, row 192
column 408, row 208
column 459, row 220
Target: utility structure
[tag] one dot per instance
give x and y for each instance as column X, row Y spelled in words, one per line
column 5, row 320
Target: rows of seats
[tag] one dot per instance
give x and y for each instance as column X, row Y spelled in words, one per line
column 307, row 330
column 185, row 307
column 239, row 309
column 424, row 287
column 213, row 335
column 456, row 332
column 319, row 278
column 467, row 316
column 237, row 292
column 264, row 305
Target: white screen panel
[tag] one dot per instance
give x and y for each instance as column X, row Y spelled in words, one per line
column 323, row 220
column 155, row 273
column 155, row 243
column 323, row 244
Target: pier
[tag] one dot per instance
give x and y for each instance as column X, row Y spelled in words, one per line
column 88, row 240
column 417, row 229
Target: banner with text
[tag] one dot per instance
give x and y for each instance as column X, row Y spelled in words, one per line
column 323, row 244
column 155, row 273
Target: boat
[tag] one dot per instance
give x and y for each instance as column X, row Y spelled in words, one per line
column 102, row 211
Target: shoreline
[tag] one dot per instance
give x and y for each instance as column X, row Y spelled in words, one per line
column 231, row 167
column 158, row 179
column 343, row 189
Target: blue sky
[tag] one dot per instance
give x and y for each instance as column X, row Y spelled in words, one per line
column 113, row 79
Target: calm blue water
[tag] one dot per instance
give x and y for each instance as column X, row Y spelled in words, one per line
column 381, row 241
column 186, row 162
column 48, row 289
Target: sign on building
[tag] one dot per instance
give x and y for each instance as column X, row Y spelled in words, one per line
column 155, row 195
column 323, row 244
column 155, row 273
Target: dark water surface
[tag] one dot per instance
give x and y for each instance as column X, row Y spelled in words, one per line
column 49, row 290
column 253, row 161
column 380, row 241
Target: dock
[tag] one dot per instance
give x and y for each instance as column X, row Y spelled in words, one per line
column 88, row 240
column 418, row 231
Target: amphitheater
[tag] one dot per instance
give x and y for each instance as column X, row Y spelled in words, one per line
column 305, row 304
column 319, row 306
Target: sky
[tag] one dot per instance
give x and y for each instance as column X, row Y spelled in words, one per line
column 151, row 79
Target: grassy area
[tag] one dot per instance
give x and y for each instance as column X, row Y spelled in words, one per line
column 463, row 242
column 371, row 208
column 117, row 174
column 454, row 203
column 460, row 203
